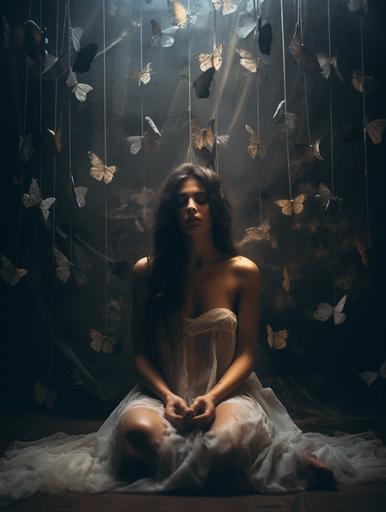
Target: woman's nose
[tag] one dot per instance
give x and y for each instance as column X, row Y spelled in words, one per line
column 191, row 205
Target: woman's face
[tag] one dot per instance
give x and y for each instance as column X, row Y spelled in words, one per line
column 193, row 210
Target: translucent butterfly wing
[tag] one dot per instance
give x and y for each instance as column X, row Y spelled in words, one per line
column 33, row 197
column 63, row 269
column 197, row 135
column 209, row 60
column 81, row 90
column 248, row 60
column 9, row 273
column 45, row 206
column 324, row 195
column 339, row 316
column 80, row 196
column 152, row 125
column 285, row 205
column 368, row 377
column 135, row 143
column 286, row 280
column 247, row 24
column 375, row 130
column 97, row 340
column 278, row 339
column 323, row 311
column 261, row 232
column 99, row 170
column 334, row 63
column 75, row 35
column 325, row 65
column 297, row 204
column 295, row 47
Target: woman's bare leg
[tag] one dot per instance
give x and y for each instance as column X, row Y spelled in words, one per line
column 143, row 430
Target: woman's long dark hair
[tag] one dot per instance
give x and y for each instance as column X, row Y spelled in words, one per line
column 168, row 254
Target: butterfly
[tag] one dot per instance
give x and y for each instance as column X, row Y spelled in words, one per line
column 44, row 395
column 362, row 83
column 211, row 60
column 370, row 377
column 285, row 284
column 56, row 67
column 256, row 147
column 203, row 137
column 203, row 82
column 257, row 233
column 75, row 37
column 163, row 37
column 291, row 206
column 361, row 251
column 276, row 339
column 9, row 273
column 180, row 13
column 150, row 140
column 285, row 118
column 324, row 311
column 325, row 196
column 79, row 193
column 99, row 170
column 375, row 130
column 34, row 198
column 359, row 6
column 144, row 76
column 77, row 267
column 225, row 6
column 248, row 60
column 80, row 90
column 326, row 64
column 300, row 52
column 310, row 152
column 84, row 58
column 101, row 343
column 247, row 24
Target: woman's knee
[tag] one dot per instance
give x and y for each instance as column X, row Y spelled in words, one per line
column 142, row 435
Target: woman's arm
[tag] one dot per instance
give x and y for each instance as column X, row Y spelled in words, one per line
column 146, row 370
column 175, row 406
column 247, row 333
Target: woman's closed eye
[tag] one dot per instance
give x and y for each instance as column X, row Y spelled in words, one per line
column 199, row 198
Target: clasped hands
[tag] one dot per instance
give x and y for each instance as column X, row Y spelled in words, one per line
column 184, row 418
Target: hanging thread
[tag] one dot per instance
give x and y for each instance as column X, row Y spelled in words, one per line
column 190, row 149
column 285, row 98
column 105, row 160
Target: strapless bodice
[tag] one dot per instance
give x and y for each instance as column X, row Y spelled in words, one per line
column 199, row 352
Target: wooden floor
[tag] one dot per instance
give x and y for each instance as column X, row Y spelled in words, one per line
column 365, row 498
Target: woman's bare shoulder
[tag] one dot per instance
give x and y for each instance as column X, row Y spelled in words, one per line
column 244, row 266
column 141, row 269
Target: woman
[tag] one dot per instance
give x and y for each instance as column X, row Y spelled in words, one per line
column 199, row 420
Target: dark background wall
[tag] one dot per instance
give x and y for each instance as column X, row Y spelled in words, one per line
column 46, row 323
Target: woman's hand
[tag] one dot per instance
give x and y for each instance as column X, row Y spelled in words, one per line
column 201, row 413
column 176, row 411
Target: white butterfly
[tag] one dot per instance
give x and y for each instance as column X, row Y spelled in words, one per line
column 101, row 343
column 80, row 196
column 80, row 90
column 9, row 273
column 276, row 339
column 362, row 83
column 99, row 170
column 326, row 64
column 150, row 140
column 369, row 377
column 325, row 196
column 78, row 267
column 225, row 6
column 144, row 76
column 324, row 311
column 75, row 37
column 247, row 23
column 34, row 198
column 285, row 118
column 163, row 37
column 211, row 60
column 248, row 60
column 44, row 395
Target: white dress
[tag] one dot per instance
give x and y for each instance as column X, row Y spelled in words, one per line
column 269, row 452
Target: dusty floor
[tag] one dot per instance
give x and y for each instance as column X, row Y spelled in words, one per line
column 365, row 498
